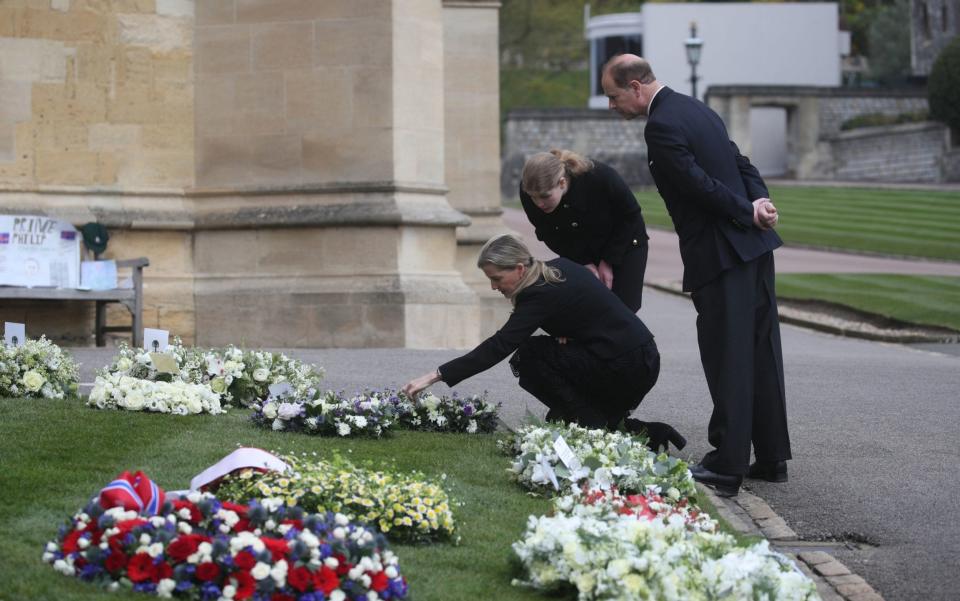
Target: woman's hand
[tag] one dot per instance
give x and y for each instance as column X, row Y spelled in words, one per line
column 605, row 273
column 593, row 269
column 418, row 385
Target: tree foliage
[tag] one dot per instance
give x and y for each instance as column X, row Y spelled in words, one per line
column 889, row 38
column 549, row 34
column 943, row 86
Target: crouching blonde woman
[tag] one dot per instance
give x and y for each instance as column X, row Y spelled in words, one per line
column 598, row 361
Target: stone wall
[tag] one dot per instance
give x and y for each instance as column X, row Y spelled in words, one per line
column 899, row 153
column 602, row 135
column 97, row 113
column 94, row 97
column 836, row 109
column 817, row 148
column 281, row 164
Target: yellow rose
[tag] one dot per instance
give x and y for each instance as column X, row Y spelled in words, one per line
column 218, row 385
column 33, row 381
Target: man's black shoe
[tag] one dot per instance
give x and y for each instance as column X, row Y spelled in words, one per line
column 771, row 471
column 725, row 484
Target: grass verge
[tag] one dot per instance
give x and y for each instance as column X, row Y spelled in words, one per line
column 930, row 300
column 917, row 223
column 54, row 455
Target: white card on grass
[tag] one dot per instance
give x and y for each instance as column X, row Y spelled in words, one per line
column 566, row 454
column 14, row 334
column 155, row 340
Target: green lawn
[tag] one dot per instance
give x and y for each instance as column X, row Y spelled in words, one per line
column 928, row 300
column 915, row 223
column 55, row 455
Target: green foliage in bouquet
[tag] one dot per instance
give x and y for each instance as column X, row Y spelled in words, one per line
column 37, row 369
column 407, row 507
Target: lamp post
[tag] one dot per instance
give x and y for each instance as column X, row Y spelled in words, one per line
column 694, row 45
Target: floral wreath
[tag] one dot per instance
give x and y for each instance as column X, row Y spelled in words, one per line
column 200, row 547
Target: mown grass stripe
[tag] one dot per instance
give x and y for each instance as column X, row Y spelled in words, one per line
column 931, row 300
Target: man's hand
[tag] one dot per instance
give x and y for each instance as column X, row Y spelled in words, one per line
column 764, row 214
column 605, row 273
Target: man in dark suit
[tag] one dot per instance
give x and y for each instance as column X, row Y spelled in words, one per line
column 719, row 206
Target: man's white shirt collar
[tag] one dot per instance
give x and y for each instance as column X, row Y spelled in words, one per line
column 654, row 96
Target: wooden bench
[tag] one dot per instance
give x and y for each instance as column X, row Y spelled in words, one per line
column 131, row 298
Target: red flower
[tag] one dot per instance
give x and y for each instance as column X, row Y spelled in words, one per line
column 298, row 524
column 125, row 527
column 184, row 546
column 141, row 568
column 69, row 544
column 240, row 510
column 380, row 582
column 208, row 571
column 195, row 515
column 326, row 580
column 343, row 567
column 278, row 547
column 116, row 561
column 245, row 560
column 245, row 584
column 299, row 578
column 243, row 525
column 163, row 571
column 282, row 597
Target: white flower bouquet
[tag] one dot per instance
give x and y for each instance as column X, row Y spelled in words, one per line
column 116, row 391
column 614, row 556
column 37, row 369
column 231, row 374
column 600, row 459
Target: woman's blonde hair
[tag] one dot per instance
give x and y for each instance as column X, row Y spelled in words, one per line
column 542, row 171
column 507, row 251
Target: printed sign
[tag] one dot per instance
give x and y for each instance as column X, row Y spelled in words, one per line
column 38, row 251
column 14, row 334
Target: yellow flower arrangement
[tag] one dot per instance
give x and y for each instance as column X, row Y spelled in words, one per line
column 407, row 507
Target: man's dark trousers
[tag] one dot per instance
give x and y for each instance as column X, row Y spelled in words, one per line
column 738, row 331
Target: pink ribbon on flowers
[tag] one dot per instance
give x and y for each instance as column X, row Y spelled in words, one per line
column 134, row 492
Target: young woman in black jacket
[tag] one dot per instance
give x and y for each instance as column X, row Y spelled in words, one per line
column 584, row 211
column 598, row 361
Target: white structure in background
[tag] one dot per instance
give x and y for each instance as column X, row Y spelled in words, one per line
column 743, row 43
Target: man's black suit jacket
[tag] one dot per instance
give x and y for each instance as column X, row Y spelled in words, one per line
column 579, row 308
column 707, row 185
